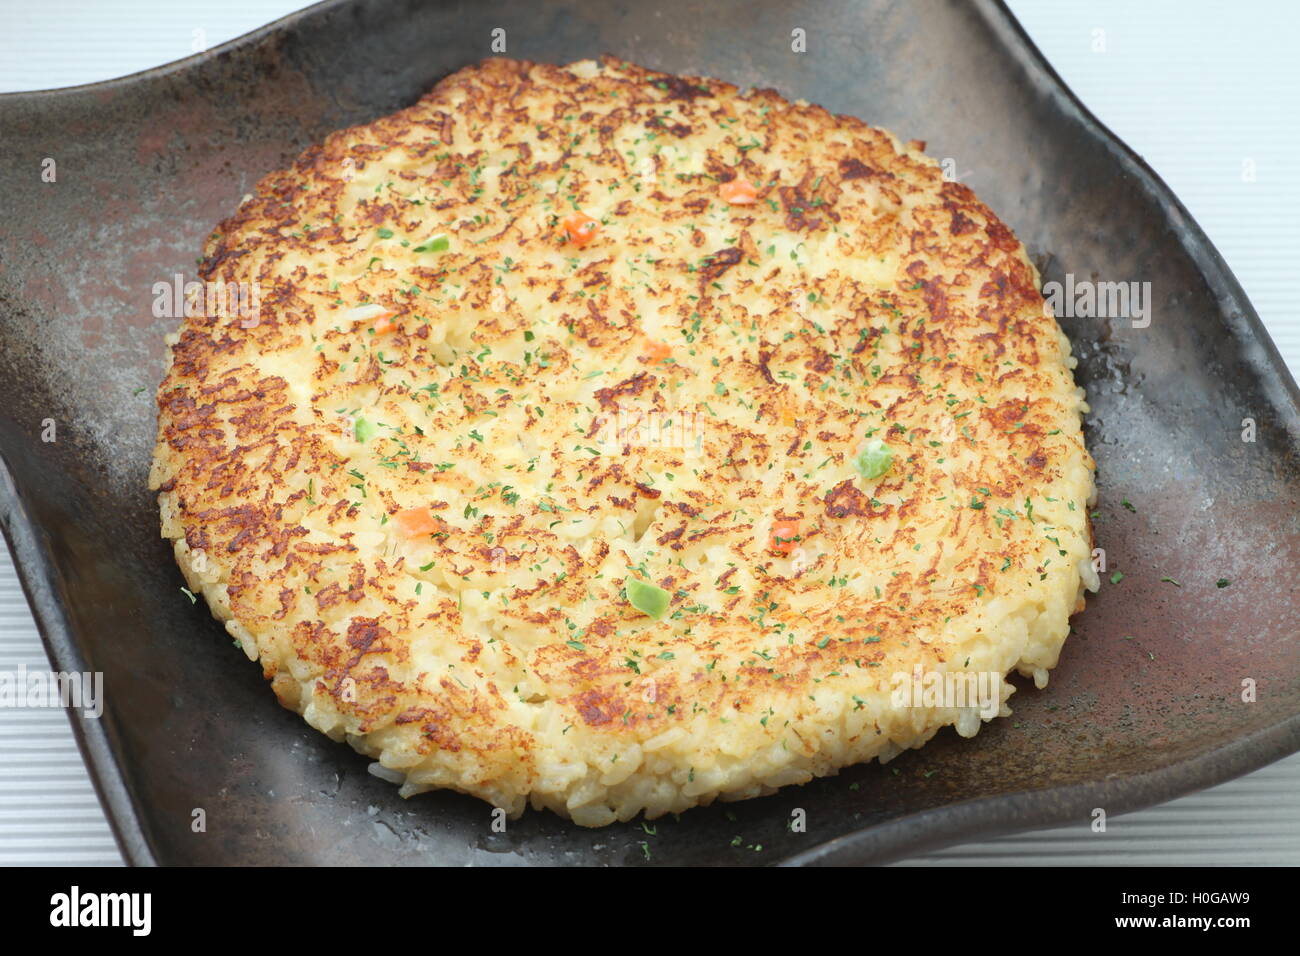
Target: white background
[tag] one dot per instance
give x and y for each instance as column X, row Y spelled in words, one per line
column 1204, row 91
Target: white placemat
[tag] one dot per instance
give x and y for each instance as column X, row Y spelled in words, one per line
column 1207, row 93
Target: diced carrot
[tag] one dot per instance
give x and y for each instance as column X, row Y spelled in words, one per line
column 384, row 323
column 738, row 192
column 788, row 410
column 656, row 351
column 784, row 531
column 417, row 522
column 581, row 228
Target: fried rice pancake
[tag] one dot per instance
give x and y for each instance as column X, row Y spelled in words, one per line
column 614, row 441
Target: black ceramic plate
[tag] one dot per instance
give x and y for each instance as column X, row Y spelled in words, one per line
column 145, row 166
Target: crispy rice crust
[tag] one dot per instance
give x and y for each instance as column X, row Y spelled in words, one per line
column 645, row 405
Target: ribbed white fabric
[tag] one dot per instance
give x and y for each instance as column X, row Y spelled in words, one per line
column 48, row 809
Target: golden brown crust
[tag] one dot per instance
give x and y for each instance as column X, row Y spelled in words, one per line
column 525, row 400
